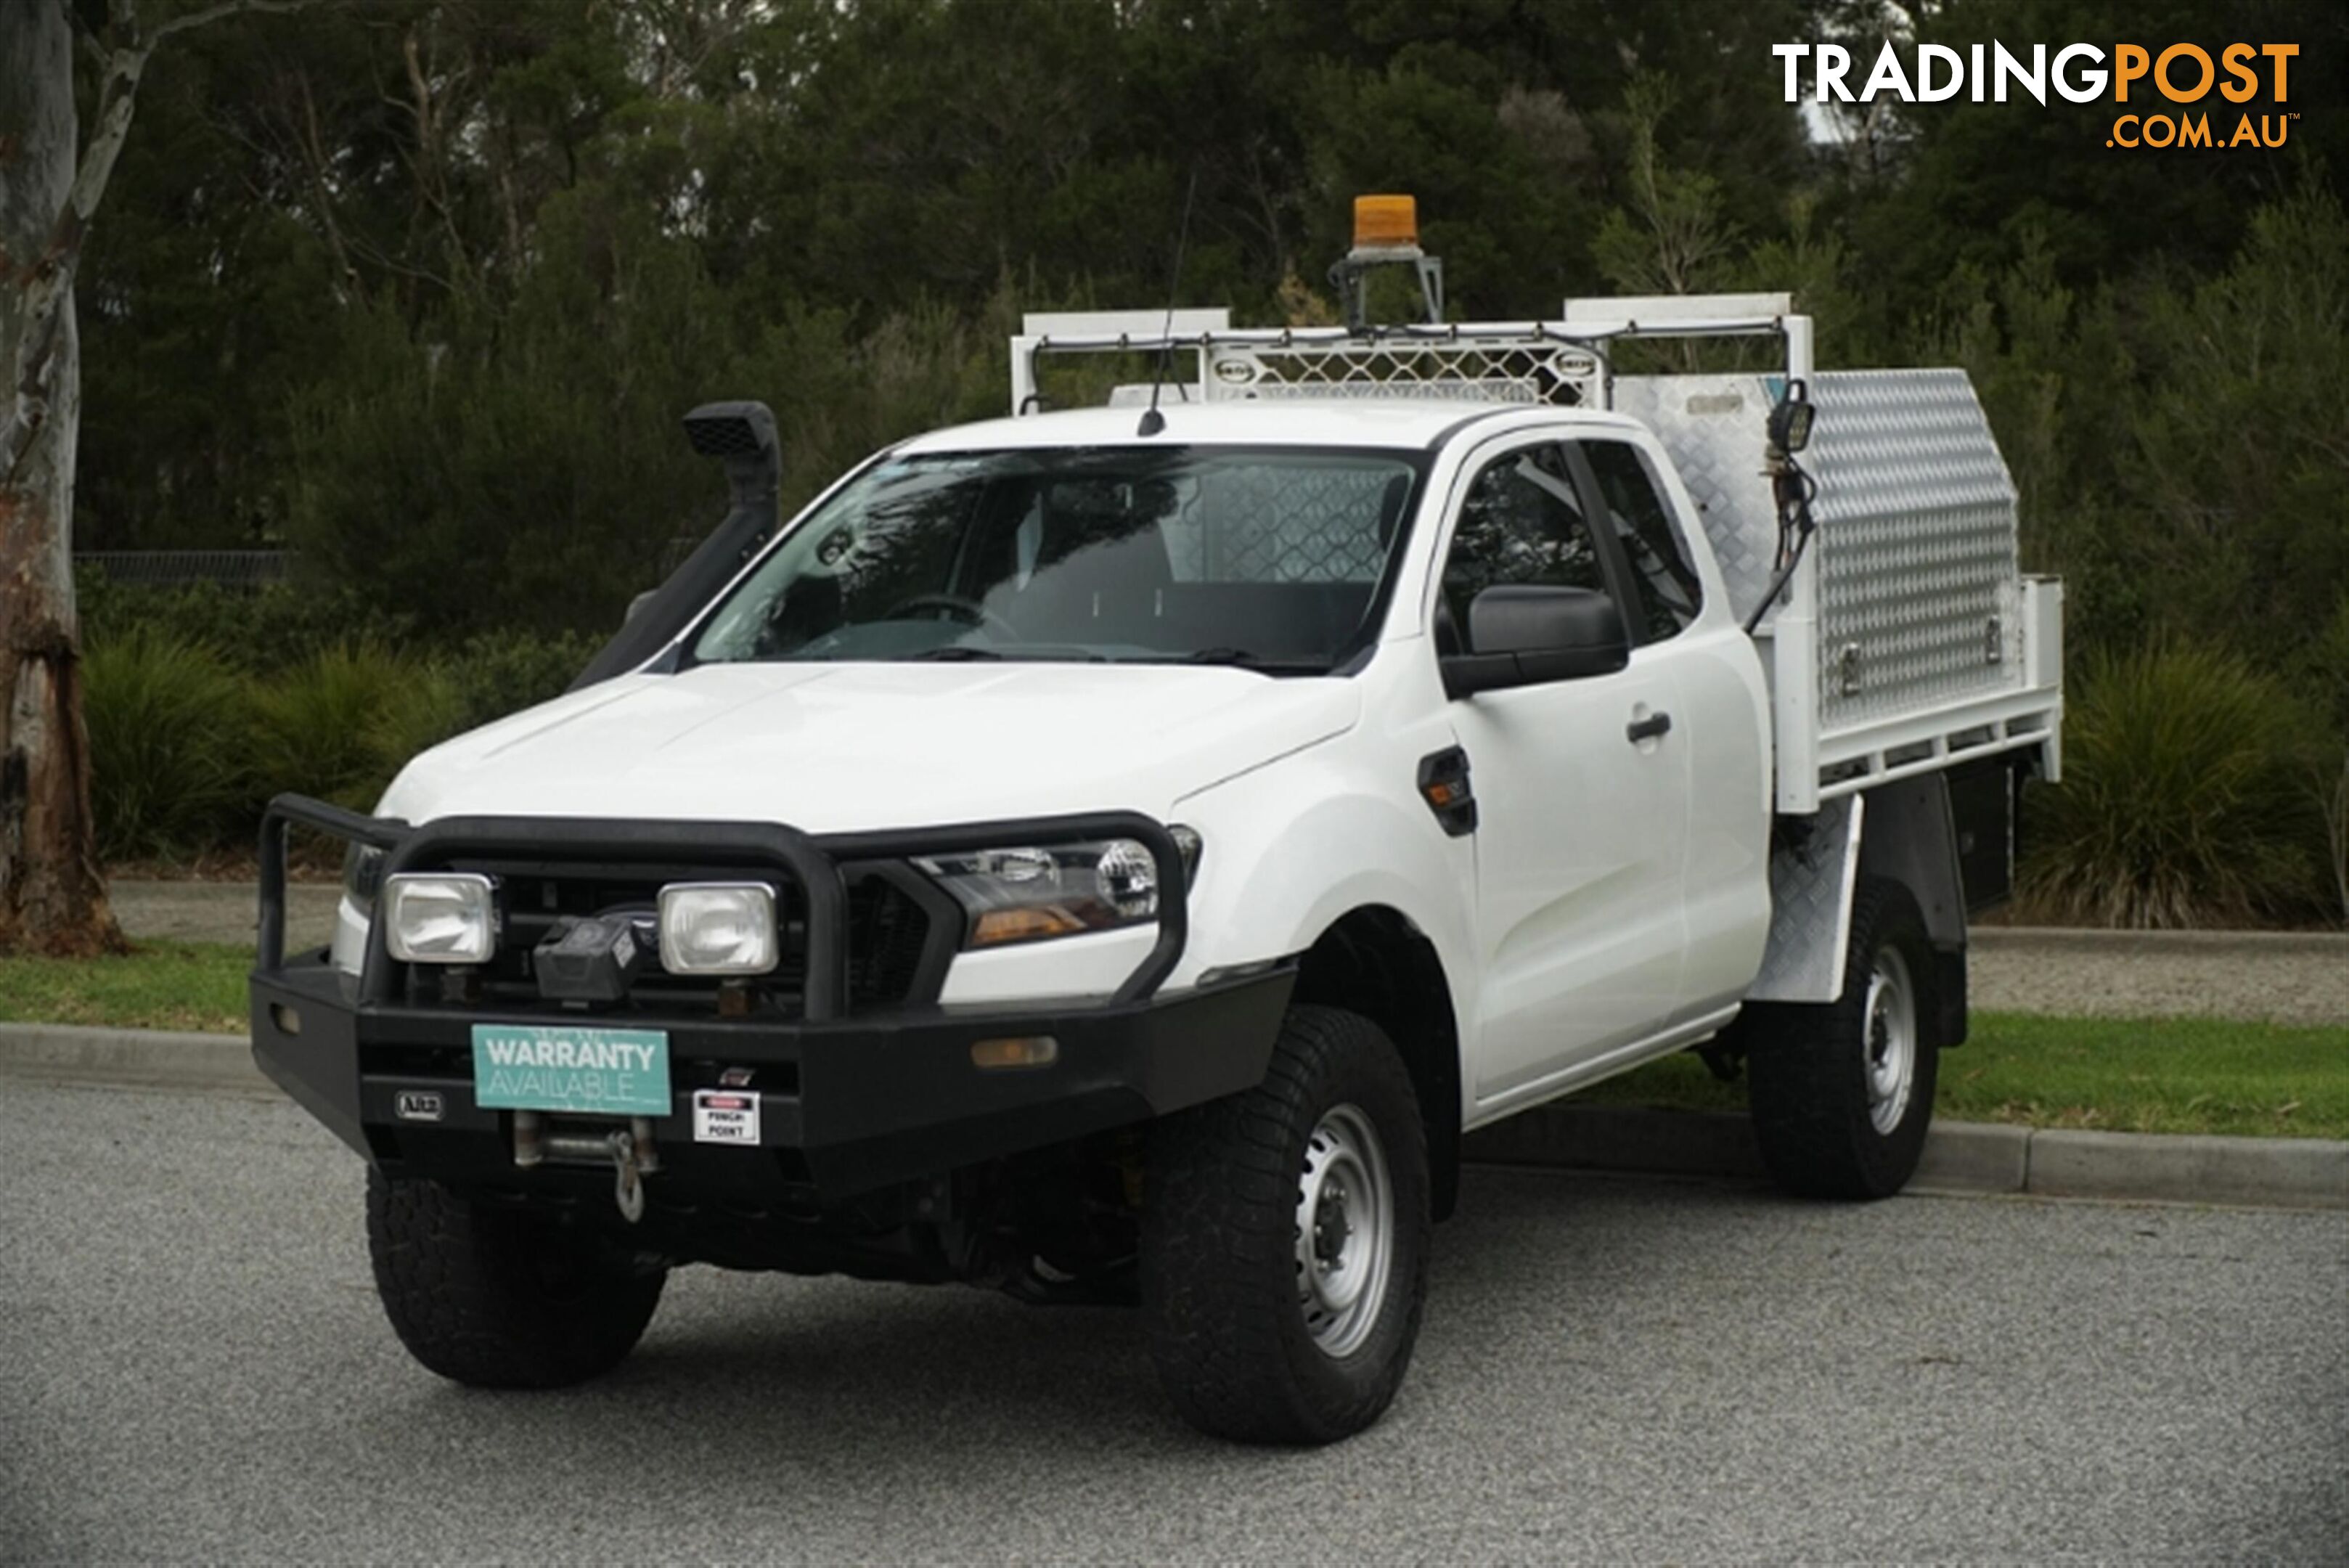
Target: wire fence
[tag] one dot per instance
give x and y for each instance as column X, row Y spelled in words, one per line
column 172, row 568
column 248, row 569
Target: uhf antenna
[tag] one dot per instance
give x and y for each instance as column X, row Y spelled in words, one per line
column 1152, row 421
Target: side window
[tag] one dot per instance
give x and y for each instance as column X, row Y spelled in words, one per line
column 1669, row 596
column 1520, row 523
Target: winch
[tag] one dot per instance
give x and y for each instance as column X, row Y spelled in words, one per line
column 540, row 1138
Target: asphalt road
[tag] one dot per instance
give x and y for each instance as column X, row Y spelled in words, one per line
column 192, row 1366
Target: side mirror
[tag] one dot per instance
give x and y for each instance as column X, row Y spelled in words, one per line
column 1524, row 635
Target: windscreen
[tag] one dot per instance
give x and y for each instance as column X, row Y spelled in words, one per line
column 1268, row 557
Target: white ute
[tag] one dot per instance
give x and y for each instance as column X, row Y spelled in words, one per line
column 1116, row 854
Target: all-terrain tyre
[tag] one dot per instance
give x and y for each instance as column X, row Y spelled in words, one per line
column 495, row 1297
column 1842, row 1092
column 1285, row 1237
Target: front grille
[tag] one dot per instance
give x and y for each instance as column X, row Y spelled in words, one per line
column 895, row 924
column 888, row 936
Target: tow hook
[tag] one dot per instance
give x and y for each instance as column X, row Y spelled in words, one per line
column 628, row 1189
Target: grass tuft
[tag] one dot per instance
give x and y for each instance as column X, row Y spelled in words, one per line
column 2184, row 801
column 339, row 726
column 167, row 725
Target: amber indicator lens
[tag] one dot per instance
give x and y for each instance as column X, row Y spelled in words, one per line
column 1020, row 1050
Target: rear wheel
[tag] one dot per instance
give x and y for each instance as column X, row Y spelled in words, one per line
column 1285, row 1239
column 1842, row 1092
column 496, row 1297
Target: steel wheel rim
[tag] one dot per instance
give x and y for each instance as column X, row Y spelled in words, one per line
column 1891, row 1043
column 1345, row 1231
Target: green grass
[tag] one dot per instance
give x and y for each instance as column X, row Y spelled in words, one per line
column 2160, row 1075
column 2117, row 1075
column 162, row 985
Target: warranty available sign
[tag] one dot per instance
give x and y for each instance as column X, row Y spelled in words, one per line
column 598, row 1072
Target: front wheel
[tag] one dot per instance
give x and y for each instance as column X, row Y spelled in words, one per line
column 1842, row 1092
column 1285, row 1238
column 487, row 1294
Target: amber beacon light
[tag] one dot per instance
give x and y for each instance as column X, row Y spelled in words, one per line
column 1386, row 234
column 1385, row 223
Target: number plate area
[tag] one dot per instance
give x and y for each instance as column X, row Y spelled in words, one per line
column 558, row 1068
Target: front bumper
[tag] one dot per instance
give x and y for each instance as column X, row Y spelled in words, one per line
column 850, row 1102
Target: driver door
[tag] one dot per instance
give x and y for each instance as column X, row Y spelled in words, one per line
column 1582, row 808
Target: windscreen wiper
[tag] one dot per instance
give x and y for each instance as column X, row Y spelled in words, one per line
column 1242, row 658
column 1040, row 653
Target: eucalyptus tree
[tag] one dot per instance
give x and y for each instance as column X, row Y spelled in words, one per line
column 52, row 178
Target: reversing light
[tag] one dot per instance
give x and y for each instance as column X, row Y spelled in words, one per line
column 1790, row 428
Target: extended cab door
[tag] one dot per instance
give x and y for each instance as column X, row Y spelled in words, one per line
column 1720, row 721
column 1582, row 791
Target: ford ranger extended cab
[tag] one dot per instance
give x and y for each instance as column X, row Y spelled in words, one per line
column 1115, row 855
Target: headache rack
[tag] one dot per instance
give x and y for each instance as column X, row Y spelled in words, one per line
column 1907, row 639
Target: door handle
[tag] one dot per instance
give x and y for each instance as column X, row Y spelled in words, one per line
column 1648, row 729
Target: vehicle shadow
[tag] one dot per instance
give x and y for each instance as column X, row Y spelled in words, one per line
column 745, row 1379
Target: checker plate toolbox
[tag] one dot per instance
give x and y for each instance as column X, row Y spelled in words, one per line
column 1907, row 639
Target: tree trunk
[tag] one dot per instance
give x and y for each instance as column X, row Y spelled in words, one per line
column 52, row 894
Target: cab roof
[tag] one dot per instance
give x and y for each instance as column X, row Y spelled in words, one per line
column 1408, row 424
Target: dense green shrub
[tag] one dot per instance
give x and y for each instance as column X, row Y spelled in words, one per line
column 2184, row 801
column 169, row 723
column 187, row 744
column 257, row 630
column 498, row 673
column 340, row 725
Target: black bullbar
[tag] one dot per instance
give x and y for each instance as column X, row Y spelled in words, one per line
column 851, row 1098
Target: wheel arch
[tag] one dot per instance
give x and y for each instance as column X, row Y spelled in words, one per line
column 1376, row 962
column 1901, row 832
column 1908, row 836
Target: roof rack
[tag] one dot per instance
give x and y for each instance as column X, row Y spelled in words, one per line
column 1567, row 362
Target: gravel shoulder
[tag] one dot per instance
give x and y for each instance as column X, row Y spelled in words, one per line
column 2280, row 977
column 220, row 911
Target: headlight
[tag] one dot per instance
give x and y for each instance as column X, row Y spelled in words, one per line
column 718, row 928
column 439, row 917
column 1025, row 894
